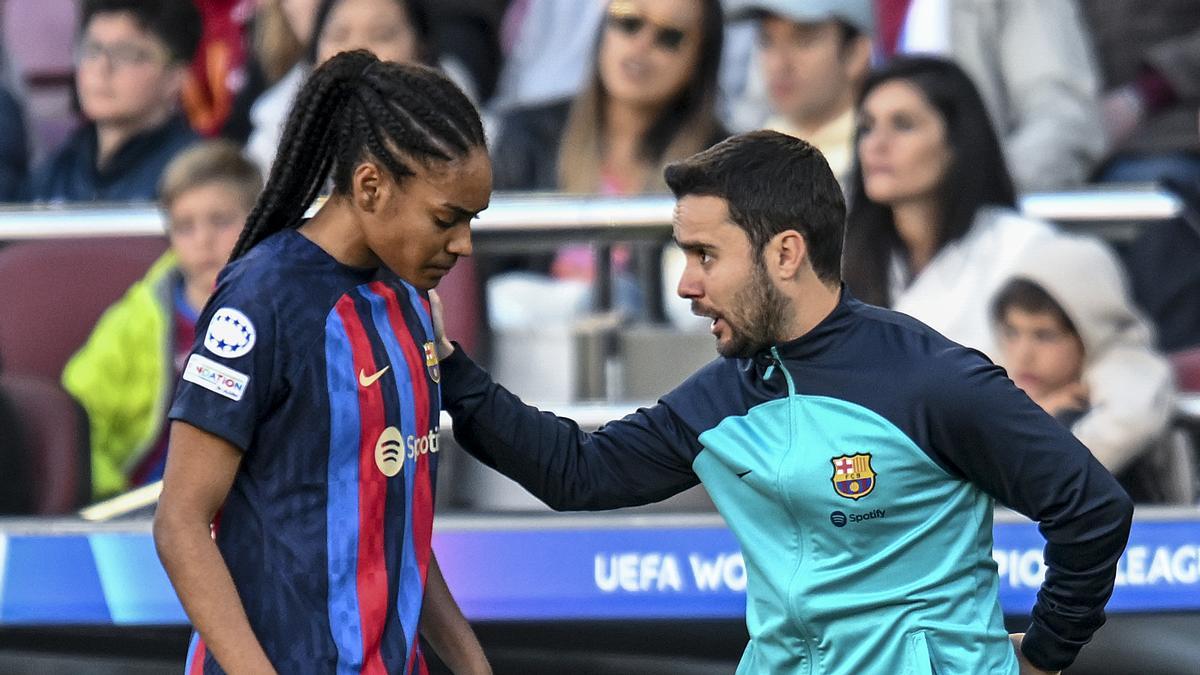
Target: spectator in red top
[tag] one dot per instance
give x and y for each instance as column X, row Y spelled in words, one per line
column 218, row 71
column 1149, row 54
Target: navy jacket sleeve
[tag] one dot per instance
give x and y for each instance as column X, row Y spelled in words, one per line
column 993, row 435
column 642, row 458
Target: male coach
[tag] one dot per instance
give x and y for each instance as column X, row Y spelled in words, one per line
column 822, row 409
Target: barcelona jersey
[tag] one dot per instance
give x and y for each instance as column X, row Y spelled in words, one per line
column 325, row 377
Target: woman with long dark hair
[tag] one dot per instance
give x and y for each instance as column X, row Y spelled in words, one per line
column 932, row 226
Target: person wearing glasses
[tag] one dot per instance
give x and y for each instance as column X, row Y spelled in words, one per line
column 650, row 100
column 131, row 65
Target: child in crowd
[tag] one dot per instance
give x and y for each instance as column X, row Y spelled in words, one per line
column 131, row 66
column 126, row 372
column 1064, row 324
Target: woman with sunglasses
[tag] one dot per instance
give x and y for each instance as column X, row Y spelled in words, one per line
column 650, row 100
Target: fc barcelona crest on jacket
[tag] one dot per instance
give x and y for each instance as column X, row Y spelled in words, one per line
column 431, row 363
column 853, row 477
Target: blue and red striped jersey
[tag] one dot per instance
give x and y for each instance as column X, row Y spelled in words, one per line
column 325, row 376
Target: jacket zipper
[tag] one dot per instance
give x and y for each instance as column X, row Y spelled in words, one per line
column 797, row 620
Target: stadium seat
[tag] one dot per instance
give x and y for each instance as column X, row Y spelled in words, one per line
column 1186, row 364
column 54, row 431
column 55, row 290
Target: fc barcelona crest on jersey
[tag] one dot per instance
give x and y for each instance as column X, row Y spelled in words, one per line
column 853, row 477
column 431, row 362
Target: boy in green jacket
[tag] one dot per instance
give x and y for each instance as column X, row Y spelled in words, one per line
column 124, row 375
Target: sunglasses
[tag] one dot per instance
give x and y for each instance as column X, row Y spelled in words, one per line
column 666, row 38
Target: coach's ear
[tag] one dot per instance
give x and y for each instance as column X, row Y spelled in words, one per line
column 786, row 255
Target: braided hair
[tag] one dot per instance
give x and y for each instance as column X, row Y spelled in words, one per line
column 354, row 108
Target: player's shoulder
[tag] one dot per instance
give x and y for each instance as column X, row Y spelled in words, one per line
column 900, row 333
column 279, row 264
column 285, row 287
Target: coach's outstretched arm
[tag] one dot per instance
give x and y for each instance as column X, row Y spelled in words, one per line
column 639, row 459
column 643, row 458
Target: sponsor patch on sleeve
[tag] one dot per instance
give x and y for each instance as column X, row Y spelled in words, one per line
column 216, row 377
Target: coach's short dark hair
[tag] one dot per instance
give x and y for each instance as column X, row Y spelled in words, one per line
column 175, row 22
column 772, row 182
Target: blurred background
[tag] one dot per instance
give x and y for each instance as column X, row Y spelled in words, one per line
column 135, row 135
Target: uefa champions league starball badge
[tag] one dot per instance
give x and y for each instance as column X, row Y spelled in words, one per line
column 230, row 334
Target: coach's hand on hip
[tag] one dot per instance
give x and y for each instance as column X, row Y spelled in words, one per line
column 1027, row 668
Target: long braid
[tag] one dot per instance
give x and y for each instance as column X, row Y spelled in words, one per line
column 305, row 152
column 356, row 108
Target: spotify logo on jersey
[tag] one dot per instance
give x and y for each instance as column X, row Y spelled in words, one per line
column 839, row 519
column 389, row 452
column 393, row 448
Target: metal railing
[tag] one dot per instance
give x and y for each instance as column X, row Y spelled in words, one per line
column 521, row 220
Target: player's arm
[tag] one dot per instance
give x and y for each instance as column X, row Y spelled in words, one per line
column 446, row 629
column 990, row 432
column 200, row 470
column 642, row 458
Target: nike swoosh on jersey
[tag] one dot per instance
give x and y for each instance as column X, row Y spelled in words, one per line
column 368, row 380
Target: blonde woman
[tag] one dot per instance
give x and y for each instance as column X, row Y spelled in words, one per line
column 650, row 100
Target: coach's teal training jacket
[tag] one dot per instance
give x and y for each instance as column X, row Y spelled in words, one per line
column 857, row 466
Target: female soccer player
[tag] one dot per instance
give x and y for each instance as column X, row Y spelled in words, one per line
column 309, row 406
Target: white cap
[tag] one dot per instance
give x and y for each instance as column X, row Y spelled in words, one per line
column 857, row 13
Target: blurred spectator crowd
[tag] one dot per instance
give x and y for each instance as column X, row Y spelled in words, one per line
column 934, row 114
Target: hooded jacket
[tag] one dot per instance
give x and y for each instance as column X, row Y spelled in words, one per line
column 1131, row 391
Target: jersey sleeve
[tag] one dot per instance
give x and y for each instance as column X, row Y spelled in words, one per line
column 230, row 377
column 987, row 430
column 642, row 458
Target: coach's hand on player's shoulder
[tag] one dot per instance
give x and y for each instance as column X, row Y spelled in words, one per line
column 1027, row 668
column 444, row 347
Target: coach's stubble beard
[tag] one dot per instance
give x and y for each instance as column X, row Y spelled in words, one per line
column 759, row 315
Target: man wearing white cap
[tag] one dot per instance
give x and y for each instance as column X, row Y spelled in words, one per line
column 814, row 55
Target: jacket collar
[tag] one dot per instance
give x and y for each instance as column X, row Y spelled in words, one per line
column 822, row 337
